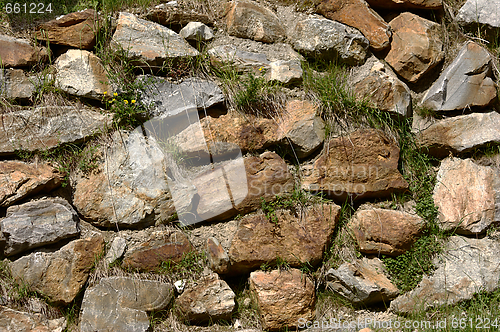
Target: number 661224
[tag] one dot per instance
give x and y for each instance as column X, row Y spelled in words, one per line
column 28, row 8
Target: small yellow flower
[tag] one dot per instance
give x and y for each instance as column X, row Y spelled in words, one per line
column 115, row 94
column 133, row 101
column 105, row 92
column 125, row 101
column 260, row 69
column 112, row 100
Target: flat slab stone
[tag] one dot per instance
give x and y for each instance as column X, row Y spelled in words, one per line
column 465, row 83
column 47, row 127
column 147, row 43
column 15, row 84
column 480, row 11
column 120, row 304
column 35, row 224
column 466, row 267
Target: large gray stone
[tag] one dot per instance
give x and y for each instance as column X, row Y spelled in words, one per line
column 327, row 39
column 362, row 281
column 120, row 304
column 81, row 73
column 467, row 196
column 240, row 59
column 166, row 98
column 130, row 187
column 149, row 44
column 59, row 275
column 35, row 224
column 465, row 83
column 466, row 267
column 43, row 128
column 15, row 84
column 458, row 134
column 480, row 11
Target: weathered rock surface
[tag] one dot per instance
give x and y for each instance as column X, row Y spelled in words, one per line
column 149, row 44
column 283, row 297
column 288, row 72
column 406, row 4
column 81, row 73
column 267, row 175
column 465, row 83
column 376, row 82
column 296, row 240
column 15, row 84
column 35, row 224
column 466, row 267
column 458, row 134
column 165, row 98
column 361, row 164
column 217, row 256
column 15, row 52
column 467, row 196
column 389, row 232
column 18, row 321
column 362, row 281
column 161, row 246
column 327, row 39
column 416, row 46
column 59, row 275
column 249, row 19
column 207, row 299
column 173, row 16
column 129, row 189
column 43, row 128
column 357, row 14
column 116, row 250
column 19, row 180
column 480, row 11
column 197, row 31
column 76, row 30
column 120, row 304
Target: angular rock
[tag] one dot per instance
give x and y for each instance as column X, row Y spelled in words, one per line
column 81, row 73
column 46, row 127
column 375, row 82
column 296, row 240
column 283, row 297
column 207, row 299
column 484, row 12
column 35, row 224
column 416, row 46
column 363, row 281
column 357, row 14
column 267, row 175
column 249, row 19
column 196, row 31
column 327, row 39
column 129, row 189
column 467, row 196
column 116, row 250
column 149, row 44
column 16, row 52
column 217, row 256
column 120, row 304
column 286, row 72
column 406, row 4
column 13, row 320
column 172, row 16
column 465, row 83
column 466, row 267
column 458, row 134
column 162, row 246
column 19, row 180
column 301, row 127
column 360, row 165
column 75, row 29
column 59, row 275
column 15, row 84
column 165, row 98
column 388, row 232
column 241, row 60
